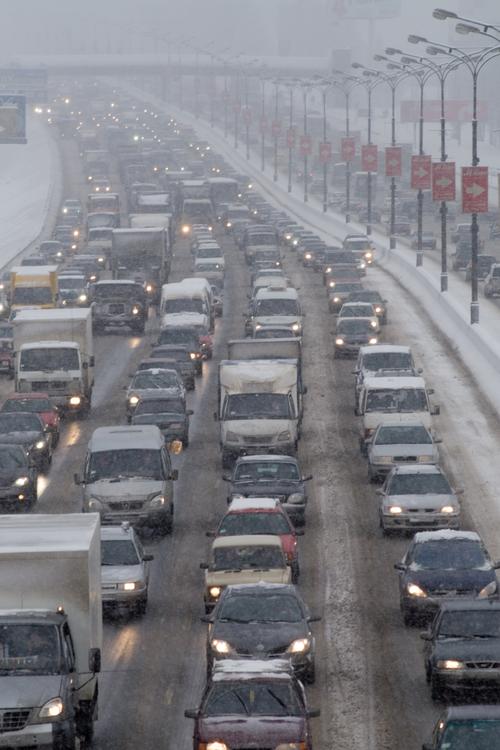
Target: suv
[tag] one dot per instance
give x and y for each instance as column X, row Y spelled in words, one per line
column 124, row 570
column 118, row 303
column 18, row 479
column 128, row 476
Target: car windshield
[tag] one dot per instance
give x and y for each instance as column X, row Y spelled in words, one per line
column 374, row 361
column 396, row 400
column 356, row 311
column 19, row 423
column 273, row 333
column 258, row 406
column 481, row 623
column 12, row 457
column 261, row 608
column 254, row 522
column 32, row 295
column 357, row 245
column 277, row 307
column 471, row 734
column 35, row 405
column 209, row 252
column 251, row 698
column 48, row 359
column 207, row 267
column 183, row 304
column 162, row 379
column 247, row 558
column 178, row 355
column 256, row 471
column 261, row 239
column 74, row 283
column 450, row 554
column 122, row 291
column 343, row 288
column 365, row 297
column 184, row 336
column 419, row 484
column 125, row 464
column 119, row 552
column 29, row 648
column 403, row 435
column 157, row 406
column 355, row 326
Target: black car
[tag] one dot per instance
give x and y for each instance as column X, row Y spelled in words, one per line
column 184, row 336
column 484, row 263
column 462, row 648
column 375, row 298
column 182, row 357
column 466, row 728
column 169, row 414
column 266, row 620
column 462, row 255
column 271, row 476
column 440, row 565
column 18, row 479
column 28, row 430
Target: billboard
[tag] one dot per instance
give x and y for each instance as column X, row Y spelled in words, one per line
column 12, row 119
column 474, row 190
column 421, row 168
column 369, row 157
column 347, row 148
column 443, row 181
column 456, row 110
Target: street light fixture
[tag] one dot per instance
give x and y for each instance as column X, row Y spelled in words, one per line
column 324, row 84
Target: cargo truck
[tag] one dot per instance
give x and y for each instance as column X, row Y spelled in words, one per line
column 33, row 287
column 141, row 255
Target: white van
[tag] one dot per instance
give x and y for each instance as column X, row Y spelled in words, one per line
column 277, row 305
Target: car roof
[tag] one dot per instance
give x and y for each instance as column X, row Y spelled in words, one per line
column 25, row 396
column 445, row 534
column 395, row 383
column 470, row 605
column 384, row 349
column 253, row 503
column 417, row 469
column 266, row 457
column 123, row 531
column 144, row 437
column 473, row 712
column 247, row 540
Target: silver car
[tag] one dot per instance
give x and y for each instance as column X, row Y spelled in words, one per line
column 393, row 444
column 153, row 382
column 124, row 569
column 417, row 498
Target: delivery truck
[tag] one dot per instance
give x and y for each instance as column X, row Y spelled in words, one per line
column 142, row 256
column 33, row 287
column 50, row 629
column 53, row 351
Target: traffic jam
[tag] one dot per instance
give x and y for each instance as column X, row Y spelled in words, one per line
column 163, row 249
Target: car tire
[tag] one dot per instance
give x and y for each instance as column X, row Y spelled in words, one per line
column 310, row 674
column 437, row 690
column 295, row 571
column 166, row 525
column 408, row 617
column 141, row 606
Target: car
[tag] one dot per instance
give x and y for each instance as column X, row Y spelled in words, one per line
column 185, row 337
column 339, row 292
column 473, row 727
column 429, row 242
column 36, row 403
column 52, row 251
column 461, row 231
column 252, row 703
column 6, row 347
column 401, row 228
column 262, row 515
column 273, row 332
column 169, row 414
column 181, row 360
column 18, row 479
column 375, row 298
column 351, row 334
column 386, row 358
column 392, row 444
column 492, row 281
column 263, row 621
column 245, row 558
column 484, row 264
column 271, row 476
column 462, row 255
column 462, row 649
column 124, row 570
column 347, row 272
column 443, row 565
column 158, row 381
column 417, row 497
column 27, row 429
column 360, row 310
column 361, row 246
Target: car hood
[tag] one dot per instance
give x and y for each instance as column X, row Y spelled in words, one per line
column 277, row 320
column 20, row 438
column 451, row 581
column 266, row 489
column 120, row 573
column 28, row 691
column 259, row 731
column 257, row 426
column 480, row 649
column 373, row 418
column 125, row 489
column 404, row 449
column 421, row 501
column 256, row 638
column 229, row 577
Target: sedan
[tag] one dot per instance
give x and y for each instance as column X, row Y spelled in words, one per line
column 18, row 479
column 155, row 381
column 375, row 298
column 428, row 242
column 180, row 357
column 351, row 334
column 125, row 569
column 340, row 291
column 471, row 727
column 462, row 649
column 28, row 430
column 360, row 310
column 169, row 414
column 263, row 621
column 418, row 497
column 444, row 565
column 36, row 403
column 392, row 444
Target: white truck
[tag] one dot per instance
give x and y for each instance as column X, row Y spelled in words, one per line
column 54, row 353
column 259, row 405
column 50, row 629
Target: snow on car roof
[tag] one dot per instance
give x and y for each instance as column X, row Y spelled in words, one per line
column 261, row 668
column 253, row 503
column 417, row 469
column 384, row 349
column 449, row 534
column 247, row 540
column 395, row 383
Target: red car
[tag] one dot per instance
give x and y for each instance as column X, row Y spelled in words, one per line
column 36, row 403
column 261, row 515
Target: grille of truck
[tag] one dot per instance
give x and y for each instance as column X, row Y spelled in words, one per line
column 12, row 720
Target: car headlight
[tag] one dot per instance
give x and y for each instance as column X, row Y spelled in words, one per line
column 308, row 256
column 214, row 592
column 21, row 481
column 94, row 504
column 488, row 590
column 129, row 585
column 362, row 266
column 216, row 745
column 133, row 400
column 51, row 709
column 336, row 299
column 447, row 509
column 232, row 436
column 368, row 255
column 75, row 401
column 93, row 277
column 228, row 224
column 185, row 229
column 149, row 288
column 299, row 646
column 383, row 459
column 426, row 459
column 373, row 323
column 288, row 236
column 135, row 310
column 296, row 327
column 450, row 664
column 157, row 501
column 331, row 284
column 76, row 233
column 285, row 435
column 82, row 298
column 414, row 590
column 373, row 340
column 328, row 270
column 220, row 647
column 378, row 310
column 192, row 355
column 339, row 341
column 395, row 510
column 296, row 498
column 40, row 445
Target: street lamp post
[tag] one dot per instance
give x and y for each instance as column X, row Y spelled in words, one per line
column 263, row 125
column 305, row 87
column 346, row 83
column 324, row 86
column 275, row 128
column 290, row 85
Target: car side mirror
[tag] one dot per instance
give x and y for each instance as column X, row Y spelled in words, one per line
column 299, row 532
column 313, row 713
column 77, row 479
column 174, row 475
column 148, row 558
column 94, row 660
column 189, row 412
column 379, row 491
column 459, row 491
column 438, row 440
column 304, row 390
column 206, row 618
column 210, row 534
column 425, row 636
column 204, row 566
column 191, row 713
column 314, row 618
column 400, row 566
column 436, row 411
column 496, row 565
column 430, row 391
column 226, row 477
column 216, row 417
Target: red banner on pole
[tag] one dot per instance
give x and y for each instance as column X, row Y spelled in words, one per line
column 305, row 145
column 393, row 161
column 474, row 190
column 276, row 127
column 421, row 169
column 369, row 158
column 290, row 137
column 443, row 181
column 348, row 148
column 325, row 152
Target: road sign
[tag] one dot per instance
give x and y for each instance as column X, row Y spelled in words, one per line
column 348, row 148
column 325, row 152
column 393, row 161
column 369, row 158
column 290, row 137
column 421, row 168
column 305, row 145
column 474, row 190
column 443, row 181
column 276, row 127
column 12, row 119
column 29, row 82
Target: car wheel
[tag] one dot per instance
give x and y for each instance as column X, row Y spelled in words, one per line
column 437, row 691
column 408, row 617
column 165, row 526
column 310, row 674
column 295, row 570
column 363, row 447
column 142, row 606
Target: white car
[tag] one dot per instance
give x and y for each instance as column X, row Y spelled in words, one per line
column 360, row 310
column 124, row 569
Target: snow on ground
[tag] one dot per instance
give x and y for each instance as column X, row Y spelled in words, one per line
column 30, row 185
